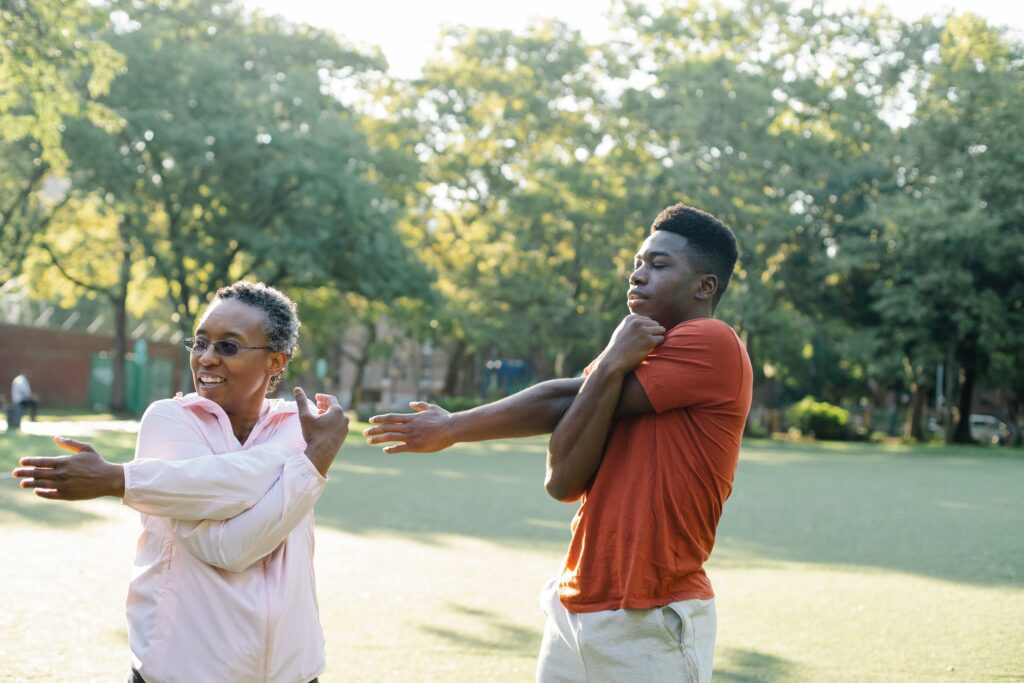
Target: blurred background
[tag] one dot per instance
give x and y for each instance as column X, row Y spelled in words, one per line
column 453, row 195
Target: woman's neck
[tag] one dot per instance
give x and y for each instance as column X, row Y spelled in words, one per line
column 243, row 422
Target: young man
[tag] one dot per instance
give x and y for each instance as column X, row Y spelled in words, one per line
column 648, row 443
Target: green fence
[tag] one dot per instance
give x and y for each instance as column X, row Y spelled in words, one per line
column 144, row 382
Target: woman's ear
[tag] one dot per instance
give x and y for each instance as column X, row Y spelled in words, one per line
column 277, row 362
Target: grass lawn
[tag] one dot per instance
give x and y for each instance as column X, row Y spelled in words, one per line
column 834, row 563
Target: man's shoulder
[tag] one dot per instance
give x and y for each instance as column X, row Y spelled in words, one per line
column 703, row 326
column 704, row 333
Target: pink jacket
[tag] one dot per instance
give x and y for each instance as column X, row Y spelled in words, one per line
column 223, row 589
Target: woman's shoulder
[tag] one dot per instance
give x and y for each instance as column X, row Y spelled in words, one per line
column 173, row 408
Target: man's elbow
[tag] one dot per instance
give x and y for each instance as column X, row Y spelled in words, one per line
column 562, row 490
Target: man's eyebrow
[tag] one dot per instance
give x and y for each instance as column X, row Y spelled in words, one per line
column 651, row 254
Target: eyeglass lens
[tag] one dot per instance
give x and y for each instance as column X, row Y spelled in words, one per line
column 225, row 347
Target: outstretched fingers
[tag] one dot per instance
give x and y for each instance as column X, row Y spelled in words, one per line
column 386, row 427
column 385, row 437
column 390, row 418
column 39, row 461
column 38, row 483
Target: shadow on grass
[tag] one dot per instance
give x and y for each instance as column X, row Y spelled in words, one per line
column 942, row 514
column 20, row 506
column 502, row 635
column 750, row 666
column 469, row 490
column 114, row 446
column 951, row 514
column 939, row 514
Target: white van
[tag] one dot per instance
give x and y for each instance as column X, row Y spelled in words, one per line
column 989, row 429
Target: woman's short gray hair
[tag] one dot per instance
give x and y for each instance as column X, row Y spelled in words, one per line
column 283, row 324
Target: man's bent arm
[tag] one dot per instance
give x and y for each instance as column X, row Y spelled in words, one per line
column 577, row 444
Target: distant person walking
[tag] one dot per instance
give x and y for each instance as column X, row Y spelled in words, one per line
column 22, row 396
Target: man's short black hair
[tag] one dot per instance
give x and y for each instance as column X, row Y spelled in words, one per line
column 708, row 238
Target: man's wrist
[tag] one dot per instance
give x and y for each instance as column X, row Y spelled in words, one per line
column 453, row 428
column 610, row 367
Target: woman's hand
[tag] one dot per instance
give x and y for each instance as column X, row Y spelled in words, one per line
column 82, row 476
column 325, row 431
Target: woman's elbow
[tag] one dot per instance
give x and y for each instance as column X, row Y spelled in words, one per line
column 229, row 562
column 236, row 566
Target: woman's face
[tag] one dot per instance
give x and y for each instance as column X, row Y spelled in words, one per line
column 236, row 383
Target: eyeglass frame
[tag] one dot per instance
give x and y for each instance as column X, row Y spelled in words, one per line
column 190, row 344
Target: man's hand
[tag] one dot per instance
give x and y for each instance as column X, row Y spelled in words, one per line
column 424, row 431
column 82, row 476
column 634, row 338
column 325, row 431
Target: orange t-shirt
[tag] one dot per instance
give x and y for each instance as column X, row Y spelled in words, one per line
column 647, row 523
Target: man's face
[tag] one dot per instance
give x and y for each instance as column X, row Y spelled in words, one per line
column 236, row 383
column 664, row 284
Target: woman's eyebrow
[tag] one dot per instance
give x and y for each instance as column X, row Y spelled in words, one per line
column 225, row 335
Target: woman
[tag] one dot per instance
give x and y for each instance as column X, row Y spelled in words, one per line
column 222, row 588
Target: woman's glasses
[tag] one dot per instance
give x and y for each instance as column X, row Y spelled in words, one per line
column 224, row 347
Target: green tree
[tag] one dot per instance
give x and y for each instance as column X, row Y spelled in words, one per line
column 950, row 237
column 770, row 117
column 52, row 68
column 237, row 156
column 522, row 217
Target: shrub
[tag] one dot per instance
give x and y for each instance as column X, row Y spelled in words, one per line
column 823, row 420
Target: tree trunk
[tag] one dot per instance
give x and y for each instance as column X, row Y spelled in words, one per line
column 963, row 425
column 914, row 429
column 338, row 363
column 453, row 373
column 361, row 363
column 948, row 394
column 471, row 378
column 969, row 363
column 186, row 384
column 118, row 401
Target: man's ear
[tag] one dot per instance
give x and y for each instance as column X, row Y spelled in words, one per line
column 707, row 287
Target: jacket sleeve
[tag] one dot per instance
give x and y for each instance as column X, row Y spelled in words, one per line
column 235, row 544
column 174, row 476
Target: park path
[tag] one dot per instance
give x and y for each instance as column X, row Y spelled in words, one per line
column 74, row 428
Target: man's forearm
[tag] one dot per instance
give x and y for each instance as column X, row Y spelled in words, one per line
column 532, row 411
column 577, row 444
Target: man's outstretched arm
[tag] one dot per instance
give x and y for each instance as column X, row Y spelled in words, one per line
column 532, row 411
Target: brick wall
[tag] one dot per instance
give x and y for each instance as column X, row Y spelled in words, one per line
column 57, row 361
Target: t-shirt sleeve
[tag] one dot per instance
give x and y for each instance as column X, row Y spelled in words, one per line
column 698, row 365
